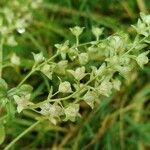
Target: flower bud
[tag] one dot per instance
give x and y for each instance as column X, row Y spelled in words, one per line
column 22, row 102
column 76, row 31
column 105, row 88
column 65, row 87
column 48, row 70
column 38, row 58
column 83, row 58
column 116, row 84
column 79, row 73
column 90, row 97
column 142, row 59
column 97, row 32
column 71, row 112
column 15, row 59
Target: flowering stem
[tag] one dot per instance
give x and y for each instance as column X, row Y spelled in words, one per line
column 48, row 60
column 35, row 67
column 134, row 45
column 61, row 99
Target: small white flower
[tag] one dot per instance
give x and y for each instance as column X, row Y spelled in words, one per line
column 97, row 32
column 83, row 58
column 11, row 41
column 65, row 87
column 15, row 59
column 105, row 88
column 116, row 84
column 124, row 60
column 48, row 70
column 124, row 70
column 142, row 59
column 100, row 70
column 116, row 42
column 79, row 73
column 61, row 66
column 145, row 18
column 76, row 31
column 49, row 109
column 38, row 58
column 63, row 49
column 21, row 25
column 90, row 97
column 141, row 28
column 45, row 109
column 73, row 53
column 78, row 86
column 53, row 112
column 71, row 112
column 22, row 102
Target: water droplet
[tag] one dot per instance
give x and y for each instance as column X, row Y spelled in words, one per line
column 21, row 30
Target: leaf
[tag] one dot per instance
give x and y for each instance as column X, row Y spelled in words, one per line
column 25, row 89
column 3, row 88
column 3, row 84
column 4, row 101
column 10, row 110
column 2, row 134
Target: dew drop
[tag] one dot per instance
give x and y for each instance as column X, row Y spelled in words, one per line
column 21, row 30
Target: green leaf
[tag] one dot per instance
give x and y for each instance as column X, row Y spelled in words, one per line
column 25, row 89
column 3, row 84
column 3, row 88
column 10, row 110
column 4, row 101
column 2, row 134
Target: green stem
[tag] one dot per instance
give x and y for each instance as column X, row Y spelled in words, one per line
column 35, row 67
column 21, row 135
column 77, row 41
column 54, row 56
column 26, row 77
column 84, row 44
column 134, row 45
column 48, row 60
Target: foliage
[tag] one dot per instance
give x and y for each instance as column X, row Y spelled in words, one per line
column 82, row 88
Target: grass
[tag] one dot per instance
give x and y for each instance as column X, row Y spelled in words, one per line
column 119, row 122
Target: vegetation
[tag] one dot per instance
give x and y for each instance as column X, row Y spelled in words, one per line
column 74, row 75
